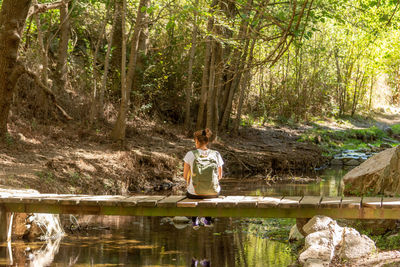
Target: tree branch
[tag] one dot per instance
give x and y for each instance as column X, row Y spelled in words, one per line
column 20, row 69
column 41, row 8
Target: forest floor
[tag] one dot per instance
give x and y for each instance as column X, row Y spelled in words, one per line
column 67, row 158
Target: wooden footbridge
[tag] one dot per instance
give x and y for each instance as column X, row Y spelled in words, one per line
column 228, row 206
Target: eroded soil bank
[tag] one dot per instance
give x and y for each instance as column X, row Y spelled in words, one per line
column 69, row 159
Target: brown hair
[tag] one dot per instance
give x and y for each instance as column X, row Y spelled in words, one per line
column 203, row 136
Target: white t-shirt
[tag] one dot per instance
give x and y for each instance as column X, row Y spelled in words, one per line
column 189, row 159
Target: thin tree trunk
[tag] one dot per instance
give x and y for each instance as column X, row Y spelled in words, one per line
column 118, row 133
column 94, row 96
column 206, row 75
column 12, row 20
column 236, row 80
column 189, row 85
column 142, row 50
column 135, row 45
column 116, row 39
column 218, row 87
column 120, row 126
column 63, row 45
column 43, row 48
column 106, row 66
column 211, row 88
column 244, row 85
column 238, row 65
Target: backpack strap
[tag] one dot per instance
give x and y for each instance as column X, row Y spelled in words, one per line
column 196, row 153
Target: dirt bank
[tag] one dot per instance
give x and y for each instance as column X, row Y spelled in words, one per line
column 66, row 158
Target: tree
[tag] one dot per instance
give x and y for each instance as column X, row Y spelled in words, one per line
column 63, row 44
column 12, row 20
column 118, row 132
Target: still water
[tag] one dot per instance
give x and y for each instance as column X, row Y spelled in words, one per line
column 154, row 241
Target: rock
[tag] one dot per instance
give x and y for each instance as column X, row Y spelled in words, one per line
column 385, row 145
column 378, row 174
column 166, row 220
column 317, row 223
column 318, row 245
column 354, row 245
column 388, row 131
column 316, row 263
column 19, row 226
column 336, row 162
column 294, row 234
column 352, row 162
column 180, row 219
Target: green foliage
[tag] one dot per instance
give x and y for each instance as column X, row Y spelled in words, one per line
column 350, row 139
column 396, row 128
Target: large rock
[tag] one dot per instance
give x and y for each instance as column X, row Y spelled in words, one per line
column 378, row 174
column 326, row 240
column 318, row 245
column 295, row 234
column 354, row 245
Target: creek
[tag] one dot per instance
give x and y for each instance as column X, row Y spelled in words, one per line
column 155, row 241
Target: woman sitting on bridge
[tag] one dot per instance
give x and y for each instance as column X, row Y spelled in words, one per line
column 202, row 172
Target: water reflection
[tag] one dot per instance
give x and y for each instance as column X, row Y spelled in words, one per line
column 145, row 241
column 328, row 185
column 154, row 241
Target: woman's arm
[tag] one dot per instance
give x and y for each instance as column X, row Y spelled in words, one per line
column 219, row 173
column 186, row 172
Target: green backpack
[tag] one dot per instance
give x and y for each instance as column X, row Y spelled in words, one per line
column 205, row 173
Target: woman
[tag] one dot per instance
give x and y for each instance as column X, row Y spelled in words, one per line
column 202, row 171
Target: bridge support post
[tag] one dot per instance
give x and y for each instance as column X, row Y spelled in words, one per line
column 3, row 224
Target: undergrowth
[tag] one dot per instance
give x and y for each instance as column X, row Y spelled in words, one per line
column 333, row 141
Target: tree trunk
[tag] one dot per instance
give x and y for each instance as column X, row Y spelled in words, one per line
column 141, row 51
column 12, row 20
column 211, row 88
column 106, row 66
column 119, row 128
column 206, row 74
column 43, row 48
column 244, row 85
column 63, row 45
column 116, row 38
column 95, row 94
column 118, row 133
column 218, row 86
column 140, row 19
column 239, row 60
column 189, row 85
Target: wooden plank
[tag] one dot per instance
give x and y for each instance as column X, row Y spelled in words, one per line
column 150, row 201
column 391, row 203
column 290, row 202
column 351, row 202
column 330, row 202
column 170, row 201
column 310, row 202
column 229, row 201
column 188, row 203
column 249, row 202
column 131, row 201
column 269, row 202
column 371, row 202
column 210, row 202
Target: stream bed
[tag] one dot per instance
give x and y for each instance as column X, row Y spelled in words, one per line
column 156, row 241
